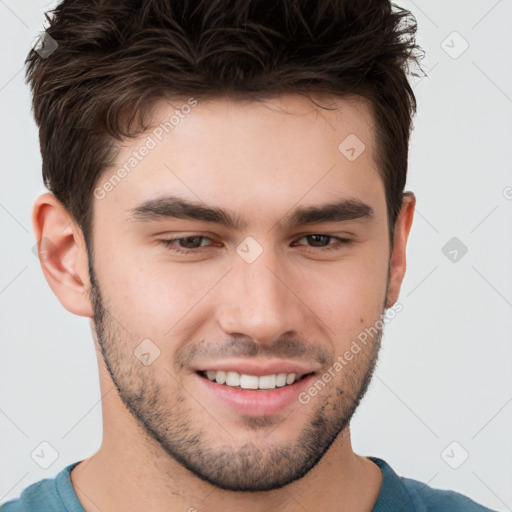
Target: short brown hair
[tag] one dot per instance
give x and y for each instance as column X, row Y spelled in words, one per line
column 114, row 58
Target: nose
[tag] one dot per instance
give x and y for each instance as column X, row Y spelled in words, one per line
column 258, row 300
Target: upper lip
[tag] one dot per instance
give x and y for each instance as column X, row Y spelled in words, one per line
column 257, row 368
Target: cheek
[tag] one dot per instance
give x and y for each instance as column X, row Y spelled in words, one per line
column 154, row 298
column 347, row 295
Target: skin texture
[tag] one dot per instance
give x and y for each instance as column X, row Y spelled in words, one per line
column 167, row 444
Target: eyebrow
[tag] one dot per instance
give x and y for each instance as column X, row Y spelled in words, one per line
column 175, row 207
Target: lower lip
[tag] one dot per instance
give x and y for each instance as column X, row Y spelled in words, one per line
column 257, row 402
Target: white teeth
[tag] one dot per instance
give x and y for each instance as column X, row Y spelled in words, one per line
column 290, row 378
column 267, row 382
column 248, row 381
column 281, row 380
column 245, row 381
column 233, row 379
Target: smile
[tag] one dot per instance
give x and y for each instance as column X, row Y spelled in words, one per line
column 245, row 381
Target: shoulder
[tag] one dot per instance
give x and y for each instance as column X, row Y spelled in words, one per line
column 47, row 495
column 430, row 499
column 402, row 493
column 38, row 496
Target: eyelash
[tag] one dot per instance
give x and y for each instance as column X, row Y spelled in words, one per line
column 171, row 243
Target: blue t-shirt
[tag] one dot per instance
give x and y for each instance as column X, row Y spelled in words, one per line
column 397, row 494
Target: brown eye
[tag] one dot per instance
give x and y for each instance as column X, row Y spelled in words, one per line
column 185, row 244
column 321, row 241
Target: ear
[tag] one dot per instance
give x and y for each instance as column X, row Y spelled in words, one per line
column 397, row 262
column 62, row 254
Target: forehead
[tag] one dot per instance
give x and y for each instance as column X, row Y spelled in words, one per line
column 262, row 156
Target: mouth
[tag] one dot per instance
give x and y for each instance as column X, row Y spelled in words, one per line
column 244, row 381
column 253, row 395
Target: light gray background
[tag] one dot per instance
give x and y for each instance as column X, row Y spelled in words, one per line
column 445, row 368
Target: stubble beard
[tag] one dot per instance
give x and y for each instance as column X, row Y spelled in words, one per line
column 166, row 416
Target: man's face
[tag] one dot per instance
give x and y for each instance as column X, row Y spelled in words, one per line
column 265, row 298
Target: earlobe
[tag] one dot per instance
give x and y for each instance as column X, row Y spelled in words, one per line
column 62, row 254
column 397, row 264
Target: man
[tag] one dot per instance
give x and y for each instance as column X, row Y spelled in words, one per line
column 227, row 206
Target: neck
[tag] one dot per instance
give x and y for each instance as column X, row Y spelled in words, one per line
column 117, row 478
